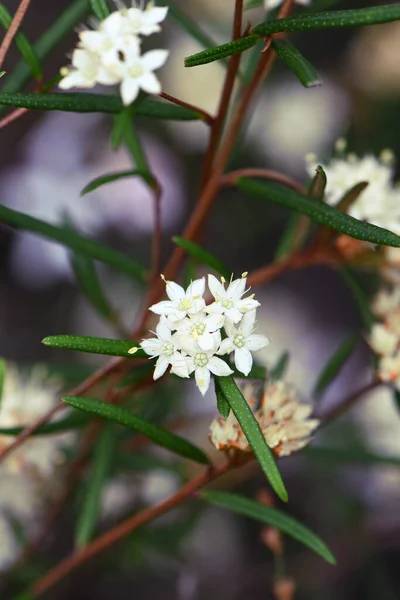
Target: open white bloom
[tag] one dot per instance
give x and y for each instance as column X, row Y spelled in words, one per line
column 229, row 301
column 242, row 341
column 86, row 70
column 166, row 347
column 271, row 4
column 145, row 21
column 200, row 327
column 384, row 338
column 181, row 302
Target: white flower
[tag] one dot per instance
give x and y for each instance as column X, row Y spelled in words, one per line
column 382, row 340
column 385, row 301
column 204, row 362
column 243, row 341
column 200, row 326
column 181, row 302
column 86, row 71
column 166, row 347
column 146, row 22
column 229, row 301
column 271, row 4
column 110, row 36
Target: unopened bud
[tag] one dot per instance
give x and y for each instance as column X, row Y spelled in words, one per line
column 265, row 497
column 133, row 350
column 340, row 145
column 273, row 540
column 284, row 589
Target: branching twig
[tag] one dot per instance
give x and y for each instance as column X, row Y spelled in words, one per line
column 12, row 30
column 206, row 117
column 231, row 178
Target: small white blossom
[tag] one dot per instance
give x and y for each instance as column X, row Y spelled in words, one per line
column 242, row 341
column 145, row 22
column 181, row 302
column 200, row 326
column 86, row 71
column 204, row 362
column 229, row 301
column 166, row 347
column 384, row 338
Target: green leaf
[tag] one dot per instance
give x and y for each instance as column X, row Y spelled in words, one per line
column 360, row 297
column 3, row 368
column 100, row 8
column 396, row 394
column 273, row 517
column 110, row 177
column 318, row 184
column 335, row 363
column 74, row 421
column 103, row 458
column 326, row 20
column 83, row 103
column 123, row 121
column 253, row 433
column 124, row 417
column 219, row 52
column 22, row 43
column 223, row 406
column 202, row 255
column 48, row 41
column 279, row 369
column 95, row 345
column 135, row 149
column 89, row 283
column 319, row 212
column 189, row 26
column 349, row 455
column 301, row 67
column 73, row 241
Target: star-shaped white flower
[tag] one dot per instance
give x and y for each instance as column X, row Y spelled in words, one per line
column 181, row 302
column 86, row 71
column 200, row 327
column 242, row 341
column 146, row 22
column 204, row 362
column 166, row 347
column 111, row 36
column 229, row 301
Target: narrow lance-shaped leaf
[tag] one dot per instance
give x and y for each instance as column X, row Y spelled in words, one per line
column 103, row 458
column 22, row 43
column 205, row 257
column 320, row 212
column 110, row 177
column 95, row 345
column 273, row 517
column 301, row 67
column 3, row 368
column 72, row 240
column 154, row 432
column 331, row 19
column 219, row 52
column 83, row 103
column 223, row 406
column 100, row 8
column 253, row 434
column 335, row 364
column 135, row 148
column 123, row 121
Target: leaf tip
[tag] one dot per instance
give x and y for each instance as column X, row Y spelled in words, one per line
column 46, row 341
column 314, row 83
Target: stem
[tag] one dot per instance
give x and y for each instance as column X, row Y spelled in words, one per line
column 12, row 30
column 123, row 529
column 16, row 114
column 230, row 179
column 347, row 403
column 206, row 117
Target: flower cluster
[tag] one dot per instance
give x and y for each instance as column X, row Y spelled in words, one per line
column 111, row 53
column 188, row 335
column 282, row 418
column 385, row 336
column 379, row 202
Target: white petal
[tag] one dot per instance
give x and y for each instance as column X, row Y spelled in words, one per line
column 247, row 323
column 230, row 327
column 107, row 76
column 256, row 342
column 188, row 344
column 161, row 367
column 92, row 40
column 152, row 347
column 175, row 292
column 83, row 59
column 156, row 14
column 163, row 332
column 234, row 315
column 113, row 24
column 150, row 84
column 197, row 305
column 206, row 342
column 163, row 308
column 180, row 365
column 237, row 288
column 75, row 79
column 247, row 304
column 214, row 322
column 196, row 288
column 129, row 90
column 154, row 59
column 215, row 308
column 202, row 376
column 216, row 287
column 243, row 360
column 227, row 346
column 219, row 367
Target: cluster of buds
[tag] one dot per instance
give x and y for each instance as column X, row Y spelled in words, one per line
column 385, row 335
column 111, row 54
column 191, row 335
column 283, row 420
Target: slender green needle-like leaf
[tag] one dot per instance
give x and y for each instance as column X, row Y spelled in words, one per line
column 74, row 421
column 319, row 212
column 253, row 433
column 48, row 41
column 100, row 8
column 188, row 25
column 83, row 103
column 331, row 19
column 154, row 432
column 110, row 177
column 279, row 369
column 222, row 404
column 360, row 297
column 74, row 241
column 270, row 516
column 351, row 196
column 219, row 52
column 95, row 345
column 205, row 257
column 3, row 367
column 135, row 148
column 103, row 458
column 89, row 283
column 123, row 121
column 301, row 67
column 349, row 455
column 335, row 363
column 22, row 43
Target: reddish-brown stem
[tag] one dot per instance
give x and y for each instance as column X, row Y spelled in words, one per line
column 230, row 179
column 16, row 114
column 123, row 529
column 12, row 30
column 205, row 116
column 349, row 402
column 226, row 95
